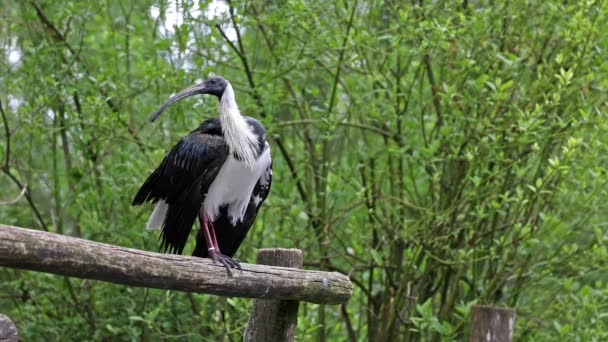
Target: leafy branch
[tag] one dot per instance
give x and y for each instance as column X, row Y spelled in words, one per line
column 7, row 171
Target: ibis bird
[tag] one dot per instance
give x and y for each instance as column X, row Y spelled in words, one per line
column 220, row 172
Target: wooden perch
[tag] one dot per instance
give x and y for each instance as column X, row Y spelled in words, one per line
column 59, row 254
column 8, row 330
column 274, row 320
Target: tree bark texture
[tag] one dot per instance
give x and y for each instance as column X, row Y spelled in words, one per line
column 8, row 330
column 58, row 254
column 492, row 324
column 274, row 320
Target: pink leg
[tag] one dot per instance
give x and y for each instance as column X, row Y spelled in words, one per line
column 210, row 235
column 205, row 227
column 212, row 245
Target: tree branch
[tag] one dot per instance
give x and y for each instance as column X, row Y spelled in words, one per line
column 7, row 171
column 57, row 36
column 334, row 89
column 434, row 91
column 7, row 133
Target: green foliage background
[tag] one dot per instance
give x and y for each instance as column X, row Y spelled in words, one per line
column 441, row 153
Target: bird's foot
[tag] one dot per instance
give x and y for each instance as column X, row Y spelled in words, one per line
column 226, row 261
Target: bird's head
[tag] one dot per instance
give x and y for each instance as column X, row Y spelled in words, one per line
column 214, row 85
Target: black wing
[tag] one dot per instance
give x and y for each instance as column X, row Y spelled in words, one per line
column 230, row 237
column 182, row 179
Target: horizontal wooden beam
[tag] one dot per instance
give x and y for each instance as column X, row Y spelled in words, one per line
column 59, row 254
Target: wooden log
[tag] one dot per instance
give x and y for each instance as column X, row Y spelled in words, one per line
column 8, row 330
column 64, row 255
column 492, row 324
column 274, row 320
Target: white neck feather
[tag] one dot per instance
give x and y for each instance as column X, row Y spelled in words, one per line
column 239, row 137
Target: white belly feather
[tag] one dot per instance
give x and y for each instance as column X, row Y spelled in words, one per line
column 233, row 186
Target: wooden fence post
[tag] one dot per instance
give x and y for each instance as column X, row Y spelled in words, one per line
column 8, row 330
column 274, row 320
column 492, row 324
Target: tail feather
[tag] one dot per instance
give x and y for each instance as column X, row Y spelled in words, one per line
column 145, row 193
column 179, row 219
column 157, row 218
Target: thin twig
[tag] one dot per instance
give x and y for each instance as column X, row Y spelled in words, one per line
column 6, row 170
column 232, row 46
column 23, row 191
column 349, row 326
column 321, row 182
column 341, row 58
column 434, row 91
column 7, row 133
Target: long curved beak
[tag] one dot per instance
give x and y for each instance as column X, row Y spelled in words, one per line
column 194, row 90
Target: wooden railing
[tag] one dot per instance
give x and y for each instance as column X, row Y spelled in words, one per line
column 278, row 285
column 277, row 282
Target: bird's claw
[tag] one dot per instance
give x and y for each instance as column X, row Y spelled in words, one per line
column 226, row 261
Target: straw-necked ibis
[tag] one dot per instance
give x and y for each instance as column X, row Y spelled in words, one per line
column 220, row 172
